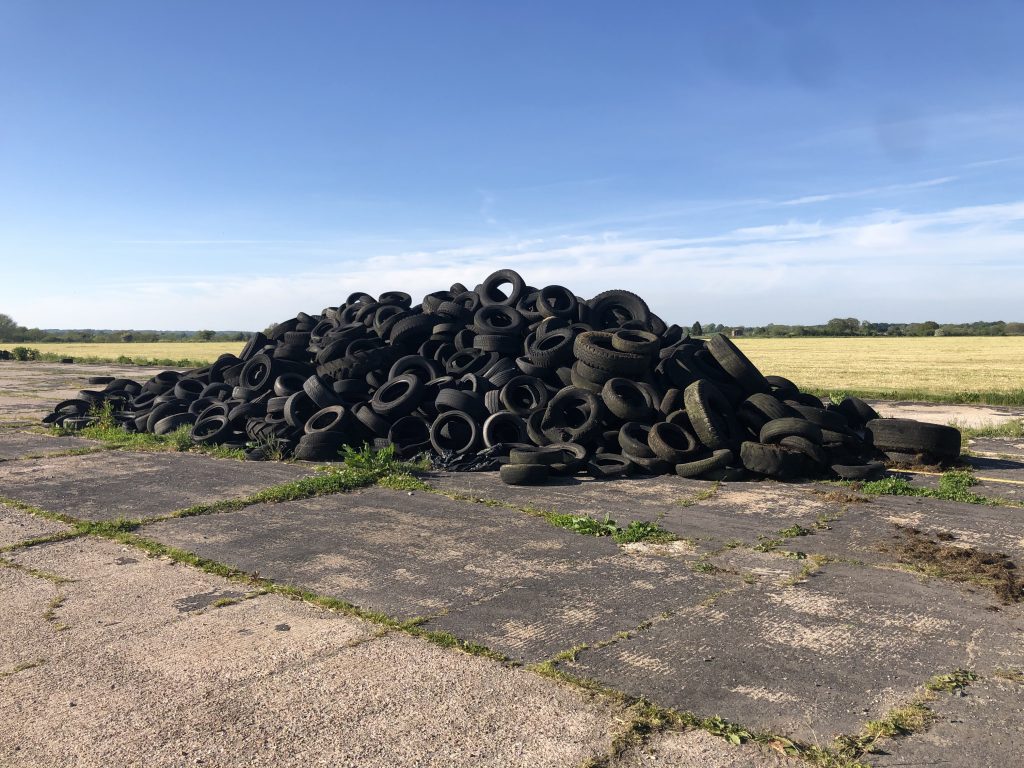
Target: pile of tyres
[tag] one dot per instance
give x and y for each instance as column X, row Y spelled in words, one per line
column 541, row 381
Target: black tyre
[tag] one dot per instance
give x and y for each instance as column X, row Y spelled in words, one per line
column 638, row 342
column 499, row 320
column 736, row 364
column 613, row 309
column 492, row 288
column 604, row 465
column 170, row 423
column 717, row 460
column 455, row 431
column 770, row 460
column 504, row 427
column 857, row 412
column 815, row 453
column 595, row 349
column 673, row 444
column 212, row 430
column 330, row 419
column 297, row 410
column 776, row 429
column 626, row 400
column 552, row 349
column 908, row 436
column 633, row 440
column 523, row 395
column 461, row 400
column 557, row 301
column 573, row 415
column 711, row 415
column 398, row 397
column 868, row 471
column 524, row 474
column 546, row 456
column 833, row 420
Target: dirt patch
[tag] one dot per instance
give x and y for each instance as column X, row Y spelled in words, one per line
column 937, row 555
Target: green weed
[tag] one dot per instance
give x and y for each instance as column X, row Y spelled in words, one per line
column 953, row 682
column 586, row 525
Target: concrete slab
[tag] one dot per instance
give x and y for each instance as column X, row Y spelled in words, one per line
column 812, row 660
column 865, row 529
column 997, row 446
column 534, row 619
column 135, row 680
column 15, row 445
column 113, row 484
column 731, row 511
column 17, row 526
column 675, row 749
column 29, row 390
column 966, row 414
column 405, row 555
column 984, row 727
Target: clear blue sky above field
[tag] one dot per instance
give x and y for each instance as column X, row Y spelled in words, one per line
column 226, row 164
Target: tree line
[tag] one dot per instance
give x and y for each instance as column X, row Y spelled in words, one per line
column 12, row 332
column 849, row 326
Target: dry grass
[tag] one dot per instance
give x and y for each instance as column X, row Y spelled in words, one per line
column 953, row 369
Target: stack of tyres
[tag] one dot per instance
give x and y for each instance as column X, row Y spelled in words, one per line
column 555, row 384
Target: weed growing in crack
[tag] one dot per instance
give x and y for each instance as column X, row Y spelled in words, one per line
column 700, row 496
column 952, row 682
column 1010, row 673
column 953, row 486
column 636, row 531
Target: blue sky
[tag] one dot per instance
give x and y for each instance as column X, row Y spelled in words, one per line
column 224, row 165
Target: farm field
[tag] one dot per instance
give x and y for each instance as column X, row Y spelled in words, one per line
column 950, row 369
column 987, row 369
column 159, row 353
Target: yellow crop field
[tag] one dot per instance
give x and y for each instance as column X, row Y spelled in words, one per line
column 958, row 369
column 963, row 368
column 198, row 351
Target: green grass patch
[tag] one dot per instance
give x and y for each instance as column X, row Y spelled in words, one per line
column 586, row 525
column 180, row 440
column 953, row 682
column 1013, row 430
column 772, row 543
column 953, row 397
column 954, row 485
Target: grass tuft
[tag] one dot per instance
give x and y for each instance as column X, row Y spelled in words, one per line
column 636, row 531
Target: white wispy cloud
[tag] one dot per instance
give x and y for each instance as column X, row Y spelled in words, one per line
column 955, row 264
column 869, row 191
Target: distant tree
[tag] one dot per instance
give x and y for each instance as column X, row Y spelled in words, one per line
column 204, row 335
column 238, row 337
column 696, row 330
column 842, row 326
column 10, row 330
column 127, row 337
column 1014, row 329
